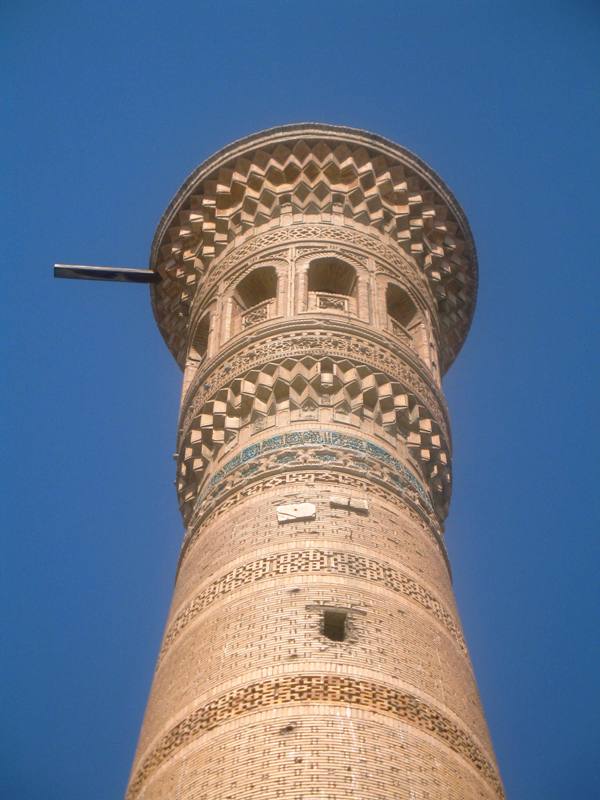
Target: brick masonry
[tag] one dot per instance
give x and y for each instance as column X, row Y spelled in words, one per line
column 316, row 282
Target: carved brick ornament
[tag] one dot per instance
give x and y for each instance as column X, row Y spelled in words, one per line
column 316, row 282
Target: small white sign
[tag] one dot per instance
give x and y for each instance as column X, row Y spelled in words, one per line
column 353, row 503
column 296, row 512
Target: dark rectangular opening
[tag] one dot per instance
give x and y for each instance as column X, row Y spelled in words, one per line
column 334, row 625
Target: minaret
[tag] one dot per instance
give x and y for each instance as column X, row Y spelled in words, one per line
column 314, row 283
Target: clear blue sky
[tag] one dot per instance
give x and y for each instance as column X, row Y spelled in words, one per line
column 107, row 107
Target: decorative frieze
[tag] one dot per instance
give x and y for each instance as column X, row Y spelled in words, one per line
column 214, row 506
column 330, row 452
column 353, row 390
column 322, row 689
column 311, row 561
column 330, row 339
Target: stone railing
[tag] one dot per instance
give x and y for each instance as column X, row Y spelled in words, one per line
column 400, row 331
column 258, row 313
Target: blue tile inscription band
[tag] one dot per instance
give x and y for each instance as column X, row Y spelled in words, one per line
column 327, row 439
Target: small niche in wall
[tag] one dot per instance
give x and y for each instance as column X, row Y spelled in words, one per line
column 334, row 624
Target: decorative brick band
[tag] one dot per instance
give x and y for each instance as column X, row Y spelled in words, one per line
column 317, row 689
column 327, row 439
column 362, row 344
column 310, row 561
column 214, row 507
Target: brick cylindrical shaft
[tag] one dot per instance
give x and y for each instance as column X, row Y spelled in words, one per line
column 316, row 282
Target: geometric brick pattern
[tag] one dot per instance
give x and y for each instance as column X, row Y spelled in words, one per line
column 233, row 527
column 226, row 499
column 330, row 449
column 333, row 341
column 317, row 689
column 352, row 389
column 313, row 561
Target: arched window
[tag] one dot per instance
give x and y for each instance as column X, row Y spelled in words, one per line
column 332, row 286
column 408, row 323
column 197, row 351
column 254, row 298
column 199, row 343
column 403, row 315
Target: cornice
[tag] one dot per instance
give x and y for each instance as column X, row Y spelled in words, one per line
column 307, row 130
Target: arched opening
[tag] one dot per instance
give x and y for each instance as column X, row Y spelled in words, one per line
column 254, row 298
column 400, row 307
column 199, row 343
column 406, row 321
column 197, row 351
column 332, row 286
column 403, row 315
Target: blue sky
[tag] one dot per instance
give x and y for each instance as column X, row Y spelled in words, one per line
column 108, row 106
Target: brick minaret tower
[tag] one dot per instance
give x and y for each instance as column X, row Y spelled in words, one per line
column 315, row 283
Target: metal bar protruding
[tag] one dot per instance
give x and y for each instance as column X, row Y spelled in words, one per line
column 123, row 274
